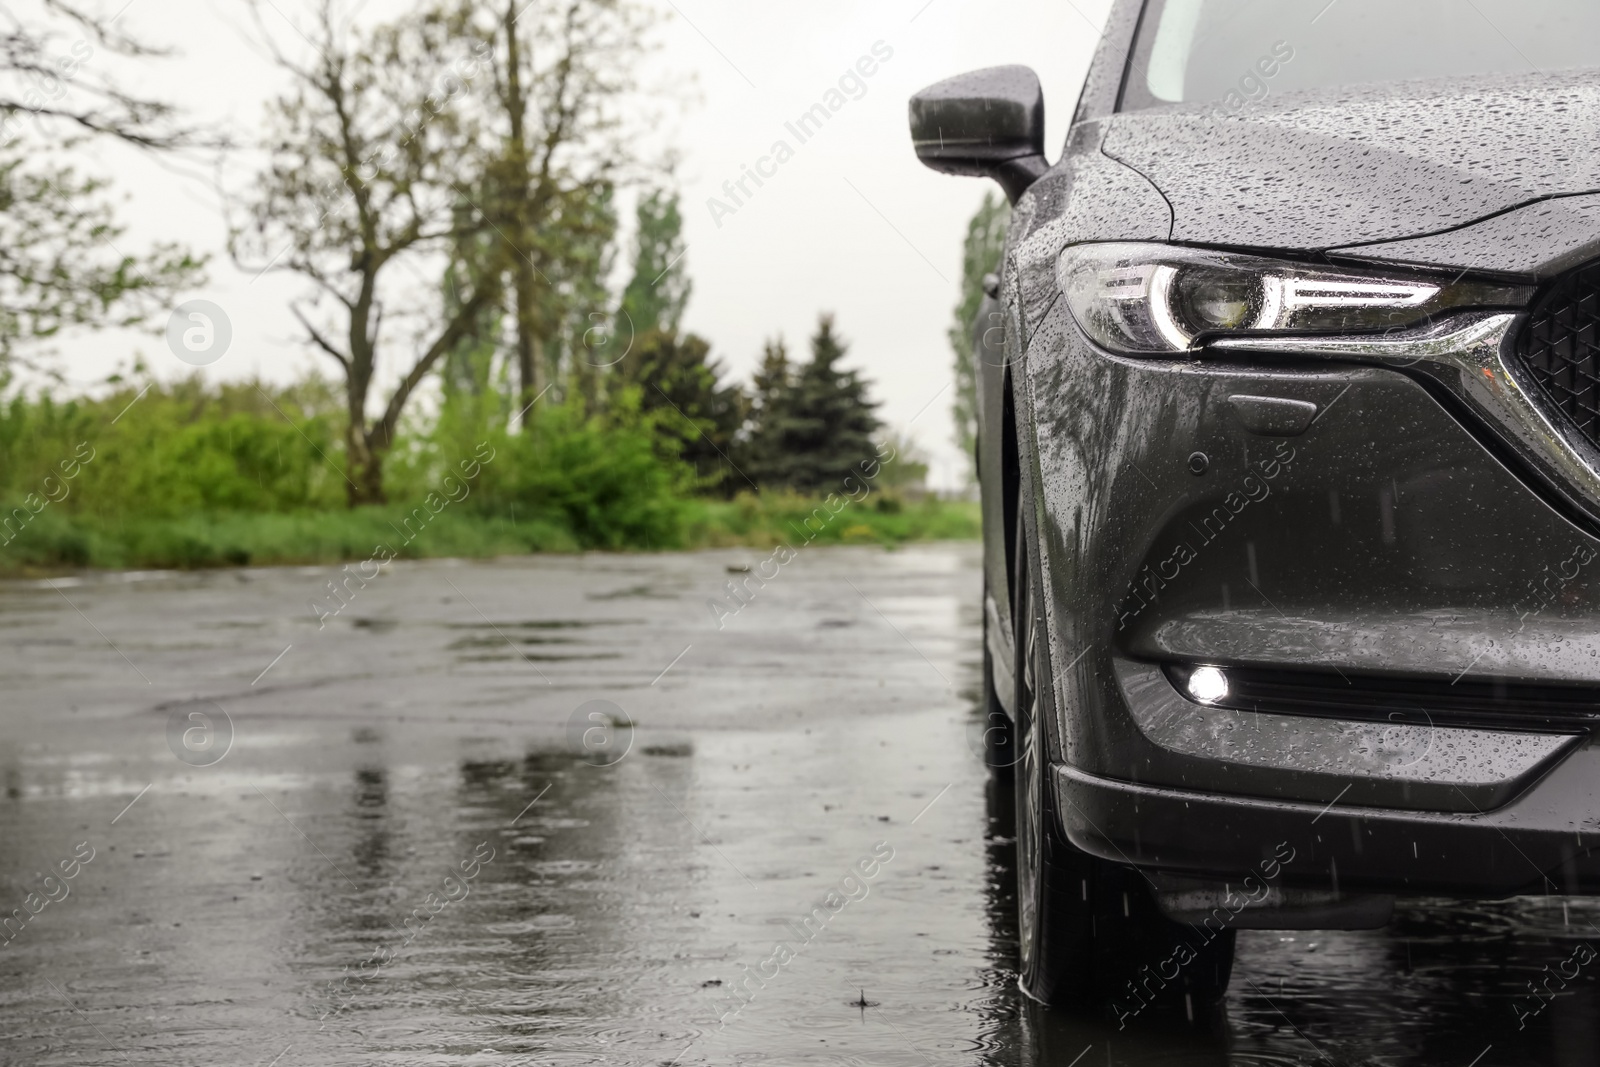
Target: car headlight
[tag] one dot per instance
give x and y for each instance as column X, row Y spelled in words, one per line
column 1147, row 299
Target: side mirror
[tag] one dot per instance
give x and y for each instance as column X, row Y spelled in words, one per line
column 988, row 123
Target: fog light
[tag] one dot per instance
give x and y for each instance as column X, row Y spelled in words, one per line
column 1207, row 685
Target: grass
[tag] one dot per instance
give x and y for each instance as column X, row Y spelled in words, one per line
column 53, row 541
column 885, row 519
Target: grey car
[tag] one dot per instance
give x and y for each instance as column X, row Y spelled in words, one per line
column 1289, row 390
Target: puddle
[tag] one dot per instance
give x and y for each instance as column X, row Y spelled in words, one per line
column 538, row 657
column 495, row 640
column 544, row 624
column 645, row 592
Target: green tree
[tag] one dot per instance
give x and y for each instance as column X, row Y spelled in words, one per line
column 468, row 367
column 773, row 379
column 576, row 335
column 365, row 180
column 59, row 265
column 59, row 261
column 655, row 296
column 769, row 387
column 652, row 304
column 980, row 255
column 679, row 381
column 814, row 429
column 659, row 289
column 579, row 296
column 554, row 145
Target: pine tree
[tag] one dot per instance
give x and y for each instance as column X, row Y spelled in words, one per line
column 677, row 377
column 980, row 255
column 772, row 380
column 815, row 425
column 769, row 387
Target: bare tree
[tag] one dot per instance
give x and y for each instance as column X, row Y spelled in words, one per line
column 369, row 185
column 48, row 72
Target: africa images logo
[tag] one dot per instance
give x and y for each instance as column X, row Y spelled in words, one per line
column 852, row 85
column 199, row 332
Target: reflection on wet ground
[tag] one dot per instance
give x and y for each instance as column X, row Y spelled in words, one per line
column 409, row 854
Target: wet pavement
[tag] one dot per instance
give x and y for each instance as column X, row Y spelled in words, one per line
column 545, row 811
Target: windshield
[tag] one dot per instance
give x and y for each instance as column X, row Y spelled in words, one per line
column 1234, row 52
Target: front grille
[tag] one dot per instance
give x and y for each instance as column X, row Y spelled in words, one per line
column 1560, row 347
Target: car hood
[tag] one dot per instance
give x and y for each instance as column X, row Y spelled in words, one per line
column 1356, row 166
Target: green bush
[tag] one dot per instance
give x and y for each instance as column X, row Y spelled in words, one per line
column 612, row 481
column 604, row 476
column 176, row 450
column 191, row 475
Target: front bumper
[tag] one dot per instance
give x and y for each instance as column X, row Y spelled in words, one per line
column 1388, row 536
column 1547, row 841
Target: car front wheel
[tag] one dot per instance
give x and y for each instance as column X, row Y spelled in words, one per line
column 1089, row 930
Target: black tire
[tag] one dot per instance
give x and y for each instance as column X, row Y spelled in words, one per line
column 999, row 733
column 1089, row 931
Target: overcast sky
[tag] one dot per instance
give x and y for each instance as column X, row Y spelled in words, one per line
column 851, row 224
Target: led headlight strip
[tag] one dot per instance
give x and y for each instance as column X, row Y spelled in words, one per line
column 1151, row 299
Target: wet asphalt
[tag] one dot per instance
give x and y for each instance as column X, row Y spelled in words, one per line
column 545, row 811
